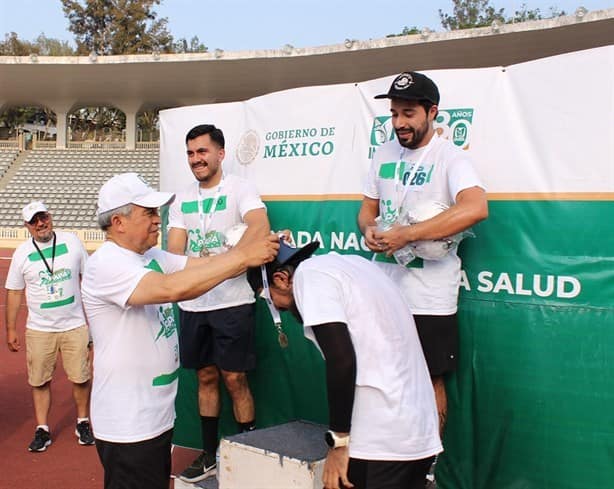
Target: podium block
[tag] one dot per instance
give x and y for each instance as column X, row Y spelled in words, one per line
column 288, row 456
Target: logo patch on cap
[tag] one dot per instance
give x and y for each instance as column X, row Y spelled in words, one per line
column 403, row 81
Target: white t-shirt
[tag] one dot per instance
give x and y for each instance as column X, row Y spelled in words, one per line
column 54, row 302
column 235, row 199
column 430, row 286
column 136, row 357
column 394, row 415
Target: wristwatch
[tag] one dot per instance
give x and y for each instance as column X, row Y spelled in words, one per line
column 335, row 441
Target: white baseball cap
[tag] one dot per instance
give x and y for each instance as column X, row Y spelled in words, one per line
column 130, row 188
column 32, row 209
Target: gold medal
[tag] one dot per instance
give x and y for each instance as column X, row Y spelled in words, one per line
column 282, row 339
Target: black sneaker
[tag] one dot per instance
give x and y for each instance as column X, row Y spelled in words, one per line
column 42, row 439
column 204, row 466
column 84, row 433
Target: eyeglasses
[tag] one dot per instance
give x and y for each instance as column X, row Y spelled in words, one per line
column 39, row 216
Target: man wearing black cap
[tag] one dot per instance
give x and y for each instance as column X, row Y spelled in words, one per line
column 382, row 414
column 419, row 170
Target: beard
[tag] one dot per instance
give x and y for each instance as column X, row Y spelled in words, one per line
column 418, row 135
column 44, row 237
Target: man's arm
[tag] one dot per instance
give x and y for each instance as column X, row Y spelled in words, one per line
column 470, row 208
column 13, row 302
column 176, row 241
column 336, row 345
column 202, row 274
column 257, row 225
column 369, row 210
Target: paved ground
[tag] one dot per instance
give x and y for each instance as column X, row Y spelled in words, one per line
column 65, row 464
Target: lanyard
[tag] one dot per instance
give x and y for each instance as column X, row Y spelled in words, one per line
column 266, row 295
column 49, row 268
column 205, row 219
column 400, row 189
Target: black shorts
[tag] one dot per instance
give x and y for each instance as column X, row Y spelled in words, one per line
column 384, row 474
column 140, row 464
column 224, row 337
column 439, row 339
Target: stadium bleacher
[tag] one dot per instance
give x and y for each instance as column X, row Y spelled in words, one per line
column 68, row 182
column 7, row 156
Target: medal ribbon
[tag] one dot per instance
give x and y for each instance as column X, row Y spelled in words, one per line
column 205, row 219
column 400, row 189
column 49, row 268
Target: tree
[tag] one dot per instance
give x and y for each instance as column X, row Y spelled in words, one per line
column 479, row 13
column 471, row 13
column 406, row 32
column 43, row 45
column 193, row 46
column 117, row 26
column 524, row 14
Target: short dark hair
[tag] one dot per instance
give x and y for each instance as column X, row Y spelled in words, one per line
column 216, row 135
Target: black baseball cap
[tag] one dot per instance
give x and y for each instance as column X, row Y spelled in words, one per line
column 287, row 255
column 411, row 85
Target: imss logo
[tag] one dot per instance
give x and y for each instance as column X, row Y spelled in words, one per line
column 452, row 124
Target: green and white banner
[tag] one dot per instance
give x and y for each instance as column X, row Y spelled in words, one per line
column 532, row 403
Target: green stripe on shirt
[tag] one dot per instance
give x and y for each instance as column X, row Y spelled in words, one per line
column 64, row 302
column 165, row 379
column 191, row 207
column 60, row 250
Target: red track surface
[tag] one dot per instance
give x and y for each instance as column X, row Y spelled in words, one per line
column 65, row 464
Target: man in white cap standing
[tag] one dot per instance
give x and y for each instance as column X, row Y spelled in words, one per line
column 48, row 267
column 128, row 290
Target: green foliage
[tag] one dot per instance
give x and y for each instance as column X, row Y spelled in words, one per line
column 192, row 46
column 407, row 31
column 14, row 117
column 480, row 13
column 524, row 14
column 96, row 124
column 471, row 13
column 117, row 26
column 42, row 45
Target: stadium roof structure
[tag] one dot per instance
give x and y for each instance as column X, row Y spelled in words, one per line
column 136, row 82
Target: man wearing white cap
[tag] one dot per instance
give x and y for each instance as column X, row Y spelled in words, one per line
column 128, row 290
column 48, row 267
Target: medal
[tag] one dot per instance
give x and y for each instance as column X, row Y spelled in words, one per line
column 203, row 252
column 282, row 338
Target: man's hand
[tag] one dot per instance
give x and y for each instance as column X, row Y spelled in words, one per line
column 12, row 339
column 372, row 243
column 336, row 469
column 259, row 251
column 392, row 240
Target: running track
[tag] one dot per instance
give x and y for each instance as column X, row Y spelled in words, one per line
column 65, row 464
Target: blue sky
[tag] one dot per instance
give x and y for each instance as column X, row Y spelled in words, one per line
column 269, row 24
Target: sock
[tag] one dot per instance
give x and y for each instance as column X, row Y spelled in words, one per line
column 80, row 420
column 43, row 426
column 248, row 426
column 209, row 426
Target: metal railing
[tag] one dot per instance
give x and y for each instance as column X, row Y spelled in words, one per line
column 11, row 238
column 8, row 144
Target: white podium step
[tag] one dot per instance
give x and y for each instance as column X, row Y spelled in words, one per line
column 288, row 456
